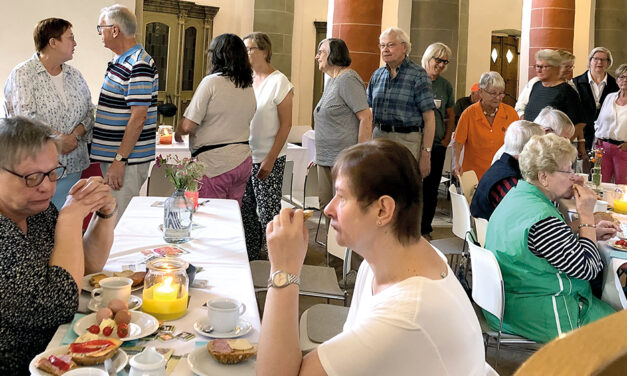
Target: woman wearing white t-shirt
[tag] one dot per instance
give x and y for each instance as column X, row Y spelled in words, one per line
column 268, row 136
column 409, row 314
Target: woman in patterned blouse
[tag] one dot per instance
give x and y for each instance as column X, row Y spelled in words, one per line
column 43, row 253
column 45, row 88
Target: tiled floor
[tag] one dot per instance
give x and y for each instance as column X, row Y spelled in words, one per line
column 510, row 357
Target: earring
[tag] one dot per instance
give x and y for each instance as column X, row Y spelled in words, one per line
column 378, row 223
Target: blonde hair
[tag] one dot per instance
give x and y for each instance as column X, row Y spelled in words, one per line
column 566, row 56
column 545, row 154
column 552, row 57
column 437, row 49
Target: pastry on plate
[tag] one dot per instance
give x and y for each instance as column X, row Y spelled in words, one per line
column 231, row 351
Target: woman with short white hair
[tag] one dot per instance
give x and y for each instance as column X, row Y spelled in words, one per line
column 481, row 128
column 546, row 267
column 555, row 121
column 434, row 61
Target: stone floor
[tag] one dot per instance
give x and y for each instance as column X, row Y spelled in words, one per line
column 510, row 357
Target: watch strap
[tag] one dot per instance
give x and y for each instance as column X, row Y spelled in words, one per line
column 291, row 279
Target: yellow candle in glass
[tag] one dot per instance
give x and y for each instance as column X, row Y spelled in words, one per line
column 162, row 301
column 620, row 206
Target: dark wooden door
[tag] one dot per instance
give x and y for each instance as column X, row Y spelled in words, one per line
column 504, row 59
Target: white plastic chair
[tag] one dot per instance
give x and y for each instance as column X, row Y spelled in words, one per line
column 488, row 292
column 468, row 183
column 612, row 288
column 461, row 225
column 481, row 228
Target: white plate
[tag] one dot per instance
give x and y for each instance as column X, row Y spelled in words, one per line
column 134, row 303
column 242, row 328
column 119, row 361
column 89, row 288
column 142, row 324
column 612, row 243
column 203, row 364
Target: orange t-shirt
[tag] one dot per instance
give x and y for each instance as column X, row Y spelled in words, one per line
column 480, row 139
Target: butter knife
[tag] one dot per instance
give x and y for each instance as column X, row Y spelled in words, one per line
column 108, row 364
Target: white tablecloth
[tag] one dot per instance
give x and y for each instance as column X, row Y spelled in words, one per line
column 180, row 149
column 217, row 246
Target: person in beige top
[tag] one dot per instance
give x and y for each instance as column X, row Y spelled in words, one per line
column 218, row 120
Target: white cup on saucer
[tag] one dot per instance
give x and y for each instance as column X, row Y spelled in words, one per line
column 224, row 313
column 112, row 288
column 600, row 206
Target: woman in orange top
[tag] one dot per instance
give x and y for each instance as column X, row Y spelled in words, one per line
column 481, row 128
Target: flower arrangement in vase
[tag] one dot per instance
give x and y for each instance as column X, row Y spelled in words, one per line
column 185, row 174
column 595, row 156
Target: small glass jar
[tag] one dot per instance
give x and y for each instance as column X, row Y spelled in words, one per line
column 166, row 288
column 165, row 134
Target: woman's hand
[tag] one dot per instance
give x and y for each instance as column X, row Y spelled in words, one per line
column 606, row 230
column 265, row 169
column 178, row 137
column 585, row 198
column 287, row 239
column 89, row 195
column 68, row 143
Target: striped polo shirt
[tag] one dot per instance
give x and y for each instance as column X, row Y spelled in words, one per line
column 131, row 80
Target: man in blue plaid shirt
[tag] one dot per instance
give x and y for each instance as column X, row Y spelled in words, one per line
column 401, row 99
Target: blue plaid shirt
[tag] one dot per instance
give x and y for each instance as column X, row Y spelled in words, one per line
column 400, row 101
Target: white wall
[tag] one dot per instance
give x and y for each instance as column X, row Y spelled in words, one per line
column 18, row 19
column 484, row 17
column 234, row 16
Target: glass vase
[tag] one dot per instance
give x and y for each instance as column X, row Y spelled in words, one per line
column 177, row 217
column 596, row 177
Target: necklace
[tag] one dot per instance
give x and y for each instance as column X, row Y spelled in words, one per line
column 492, row 114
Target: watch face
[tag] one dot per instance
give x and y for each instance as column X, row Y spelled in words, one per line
column 118, row 157
column 280, row 279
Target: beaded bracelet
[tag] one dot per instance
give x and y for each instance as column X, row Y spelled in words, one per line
column 587, row 225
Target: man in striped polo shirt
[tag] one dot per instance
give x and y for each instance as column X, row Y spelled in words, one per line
column 126, row 119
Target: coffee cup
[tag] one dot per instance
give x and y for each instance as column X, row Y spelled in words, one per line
column 600, row 206
column 112, row 288
column 223, row 314
column 438, row 103
column 585, row 177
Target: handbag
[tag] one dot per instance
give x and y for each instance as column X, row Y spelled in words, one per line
column 168, row 108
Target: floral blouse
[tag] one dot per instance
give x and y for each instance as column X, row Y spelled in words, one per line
column 30, row 92
column 35, row 298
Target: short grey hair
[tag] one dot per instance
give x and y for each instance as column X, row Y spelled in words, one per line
column 555, row 121
column 437, row 49
column 122, row 17
column 620, row 70
column 517, row 135
column 566, row 56
column 545, row 154
column 401, row 35
column 605, row 51
column 552, row 57
column 22, row 138
column 493, row 79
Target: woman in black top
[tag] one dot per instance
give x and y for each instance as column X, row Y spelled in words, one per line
column 552, row 91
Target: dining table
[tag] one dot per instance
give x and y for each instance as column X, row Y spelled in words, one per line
column 217, row 248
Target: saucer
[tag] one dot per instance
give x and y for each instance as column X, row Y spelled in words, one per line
column 242, row 328
column 134, row 302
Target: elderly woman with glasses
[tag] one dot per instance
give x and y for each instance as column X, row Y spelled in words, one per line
column 552, row 90
column 434, row 61
column 342, row 117
column 46, row 88
column 593, row 86
column 546, row 266
column 481, row 129
column 268, row 140
column 611, row 131
column 44, row 253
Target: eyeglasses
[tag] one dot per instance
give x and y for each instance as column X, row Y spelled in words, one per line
column 252, row 49
column 440, row 61
column 570, row 173
column 568, row 67
column 621, row 78
column 599, row 59
column 389, row 45
column 495, row 94
column 36, row 178
column 100, row 27
column 541, row 67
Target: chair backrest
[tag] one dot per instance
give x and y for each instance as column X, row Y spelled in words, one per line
column 469, row 184
column 288, row 176
column 481, row 227
column 158, row 183
column 461, row 213
column 446, row 168
column 311, row 181
column 613, row 293
column 487, row 282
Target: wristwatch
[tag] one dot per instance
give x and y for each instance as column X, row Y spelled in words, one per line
column 428, row 150
column 280, row 279
column 120, row 158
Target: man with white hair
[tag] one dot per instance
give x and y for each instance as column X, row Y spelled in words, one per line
column 126, row 119
column 504, row 174
column 401, row 99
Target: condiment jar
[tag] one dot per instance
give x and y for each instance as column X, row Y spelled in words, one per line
column 148, row 363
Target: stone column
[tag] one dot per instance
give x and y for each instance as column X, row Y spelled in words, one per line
column 436, row 21
column 552, row 26
column 610, row 18
column 276, row 18
column 358, row 23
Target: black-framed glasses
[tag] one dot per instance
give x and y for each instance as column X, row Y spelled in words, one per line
column 440, row 61
column 100, row 27
column 252, row 49
column 36, row 178
column 541, row 67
